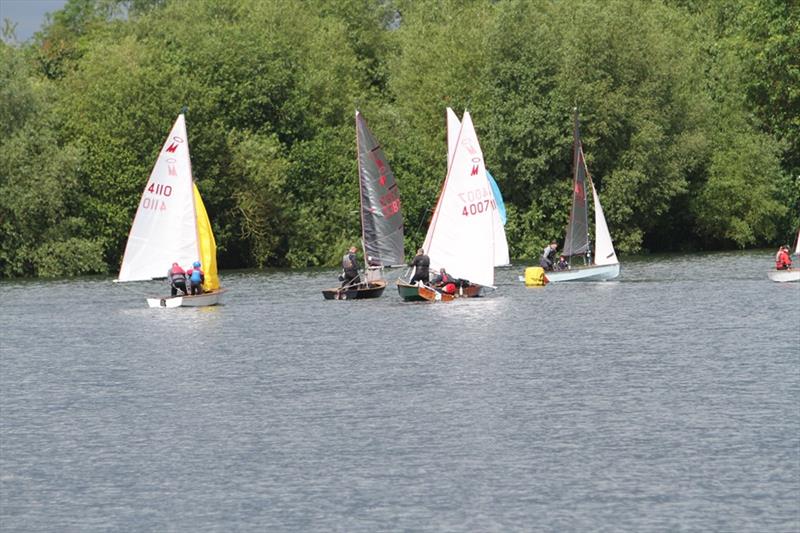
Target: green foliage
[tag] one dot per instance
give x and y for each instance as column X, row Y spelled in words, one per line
column 689, row 118
column 70, row 257
column 738, row 203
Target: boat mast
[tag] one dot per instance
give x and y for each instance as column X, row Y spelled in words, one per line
column 361, row 195
column 577, row 237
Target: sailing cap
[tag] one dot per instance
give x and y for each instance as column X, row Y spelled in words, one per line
column 196, row 264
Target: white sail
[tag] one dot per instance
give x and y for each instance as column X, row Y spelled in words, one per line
column 501, row 257
column 797, row 244
column 453, row 129
column 603, row 247
column 461, row 235
column 165, row 228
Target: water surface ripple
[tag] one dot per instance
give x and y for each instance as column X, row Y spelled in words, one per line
column 665, row 401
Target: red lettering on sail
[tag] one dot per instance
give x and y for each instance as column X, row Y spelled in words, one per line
column 474, row 170
column 579, row 190
column 172, row 148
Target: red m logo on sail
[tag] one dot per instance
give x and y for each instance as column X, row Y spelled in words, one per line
column 172, row 148
column 474, row 170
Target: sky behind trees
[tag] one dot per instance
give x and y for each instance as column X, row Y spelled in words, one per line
column 28, row 15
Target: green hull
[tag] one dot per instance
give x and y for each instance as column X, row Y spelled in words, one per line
column 409, row 293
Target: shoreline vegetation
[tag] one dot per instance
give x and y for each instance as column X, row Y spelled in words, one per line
column 690, row 119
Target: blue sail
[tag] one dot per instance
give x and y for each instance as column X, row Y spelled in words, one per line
column 498, row 198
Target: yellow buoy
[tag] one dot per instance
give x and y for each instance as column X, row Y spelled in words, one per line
column 535, row 277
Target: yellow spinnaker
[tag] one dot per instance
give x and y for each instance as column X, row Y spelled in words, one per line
column 208, row 246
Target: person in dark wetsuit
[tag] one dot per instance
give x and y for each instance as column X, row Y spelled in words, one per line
column 548, row 256
column 421, row 264
column 350, row 267
column 177, row 280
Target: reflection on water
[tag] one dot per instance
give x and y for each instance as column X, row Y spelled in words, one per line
column 664, row 400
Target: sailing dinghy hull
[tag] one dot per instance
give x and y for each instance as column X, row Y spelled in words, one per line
column 363, row 291
column 425, row 293
column 592, row 273
column 199, row 300
column 784, row 276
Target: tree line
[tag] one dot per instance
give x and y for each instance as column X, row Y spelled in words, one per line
column 689, row 117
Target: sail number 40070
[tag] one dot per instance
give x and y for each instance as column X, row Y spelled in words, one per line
column 478, row 207
column 477, row 201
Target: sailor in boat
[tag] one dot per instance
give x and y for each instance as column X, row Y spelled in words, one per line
column 782, row 259
column 177, row 280
column 196, row 278
column 350, row 267
column 421, row 264
column 444, row 282
column 548, row 256
column 562, row 263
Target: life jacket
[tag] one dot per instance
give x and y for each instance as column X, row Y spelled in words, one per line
column 449, row 288
column 176, row 272
column 348, row 263
column 783, row 261
column 196, row 275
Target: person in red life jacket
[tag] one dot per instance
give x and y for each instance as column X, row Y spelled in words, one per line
column 444, row 282
column 177, row 280
column 782, row 259
column 196, row 278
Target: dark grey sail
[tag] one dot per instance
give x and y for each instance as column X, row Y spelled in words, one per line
column 381, row 213
column 576, row 241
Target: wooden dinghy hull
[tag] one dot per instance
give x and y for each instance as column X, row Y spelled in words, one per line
column 362, row 291
column 425, row 293
column 200, row 300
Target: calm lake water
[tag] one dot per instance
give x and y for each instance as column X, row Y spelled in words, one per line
column 666, row 401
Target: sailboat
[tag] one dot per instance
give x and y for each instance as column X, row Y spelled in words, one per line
column 793, row 274
column 500, row 243
column 604, row 265
column 171, row 226
column 381, row 218
column 464, row 228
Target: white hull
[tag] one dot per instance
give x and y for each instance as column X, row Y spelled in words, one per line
column 783, row 276
column 200, row 300
column 592, row 273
